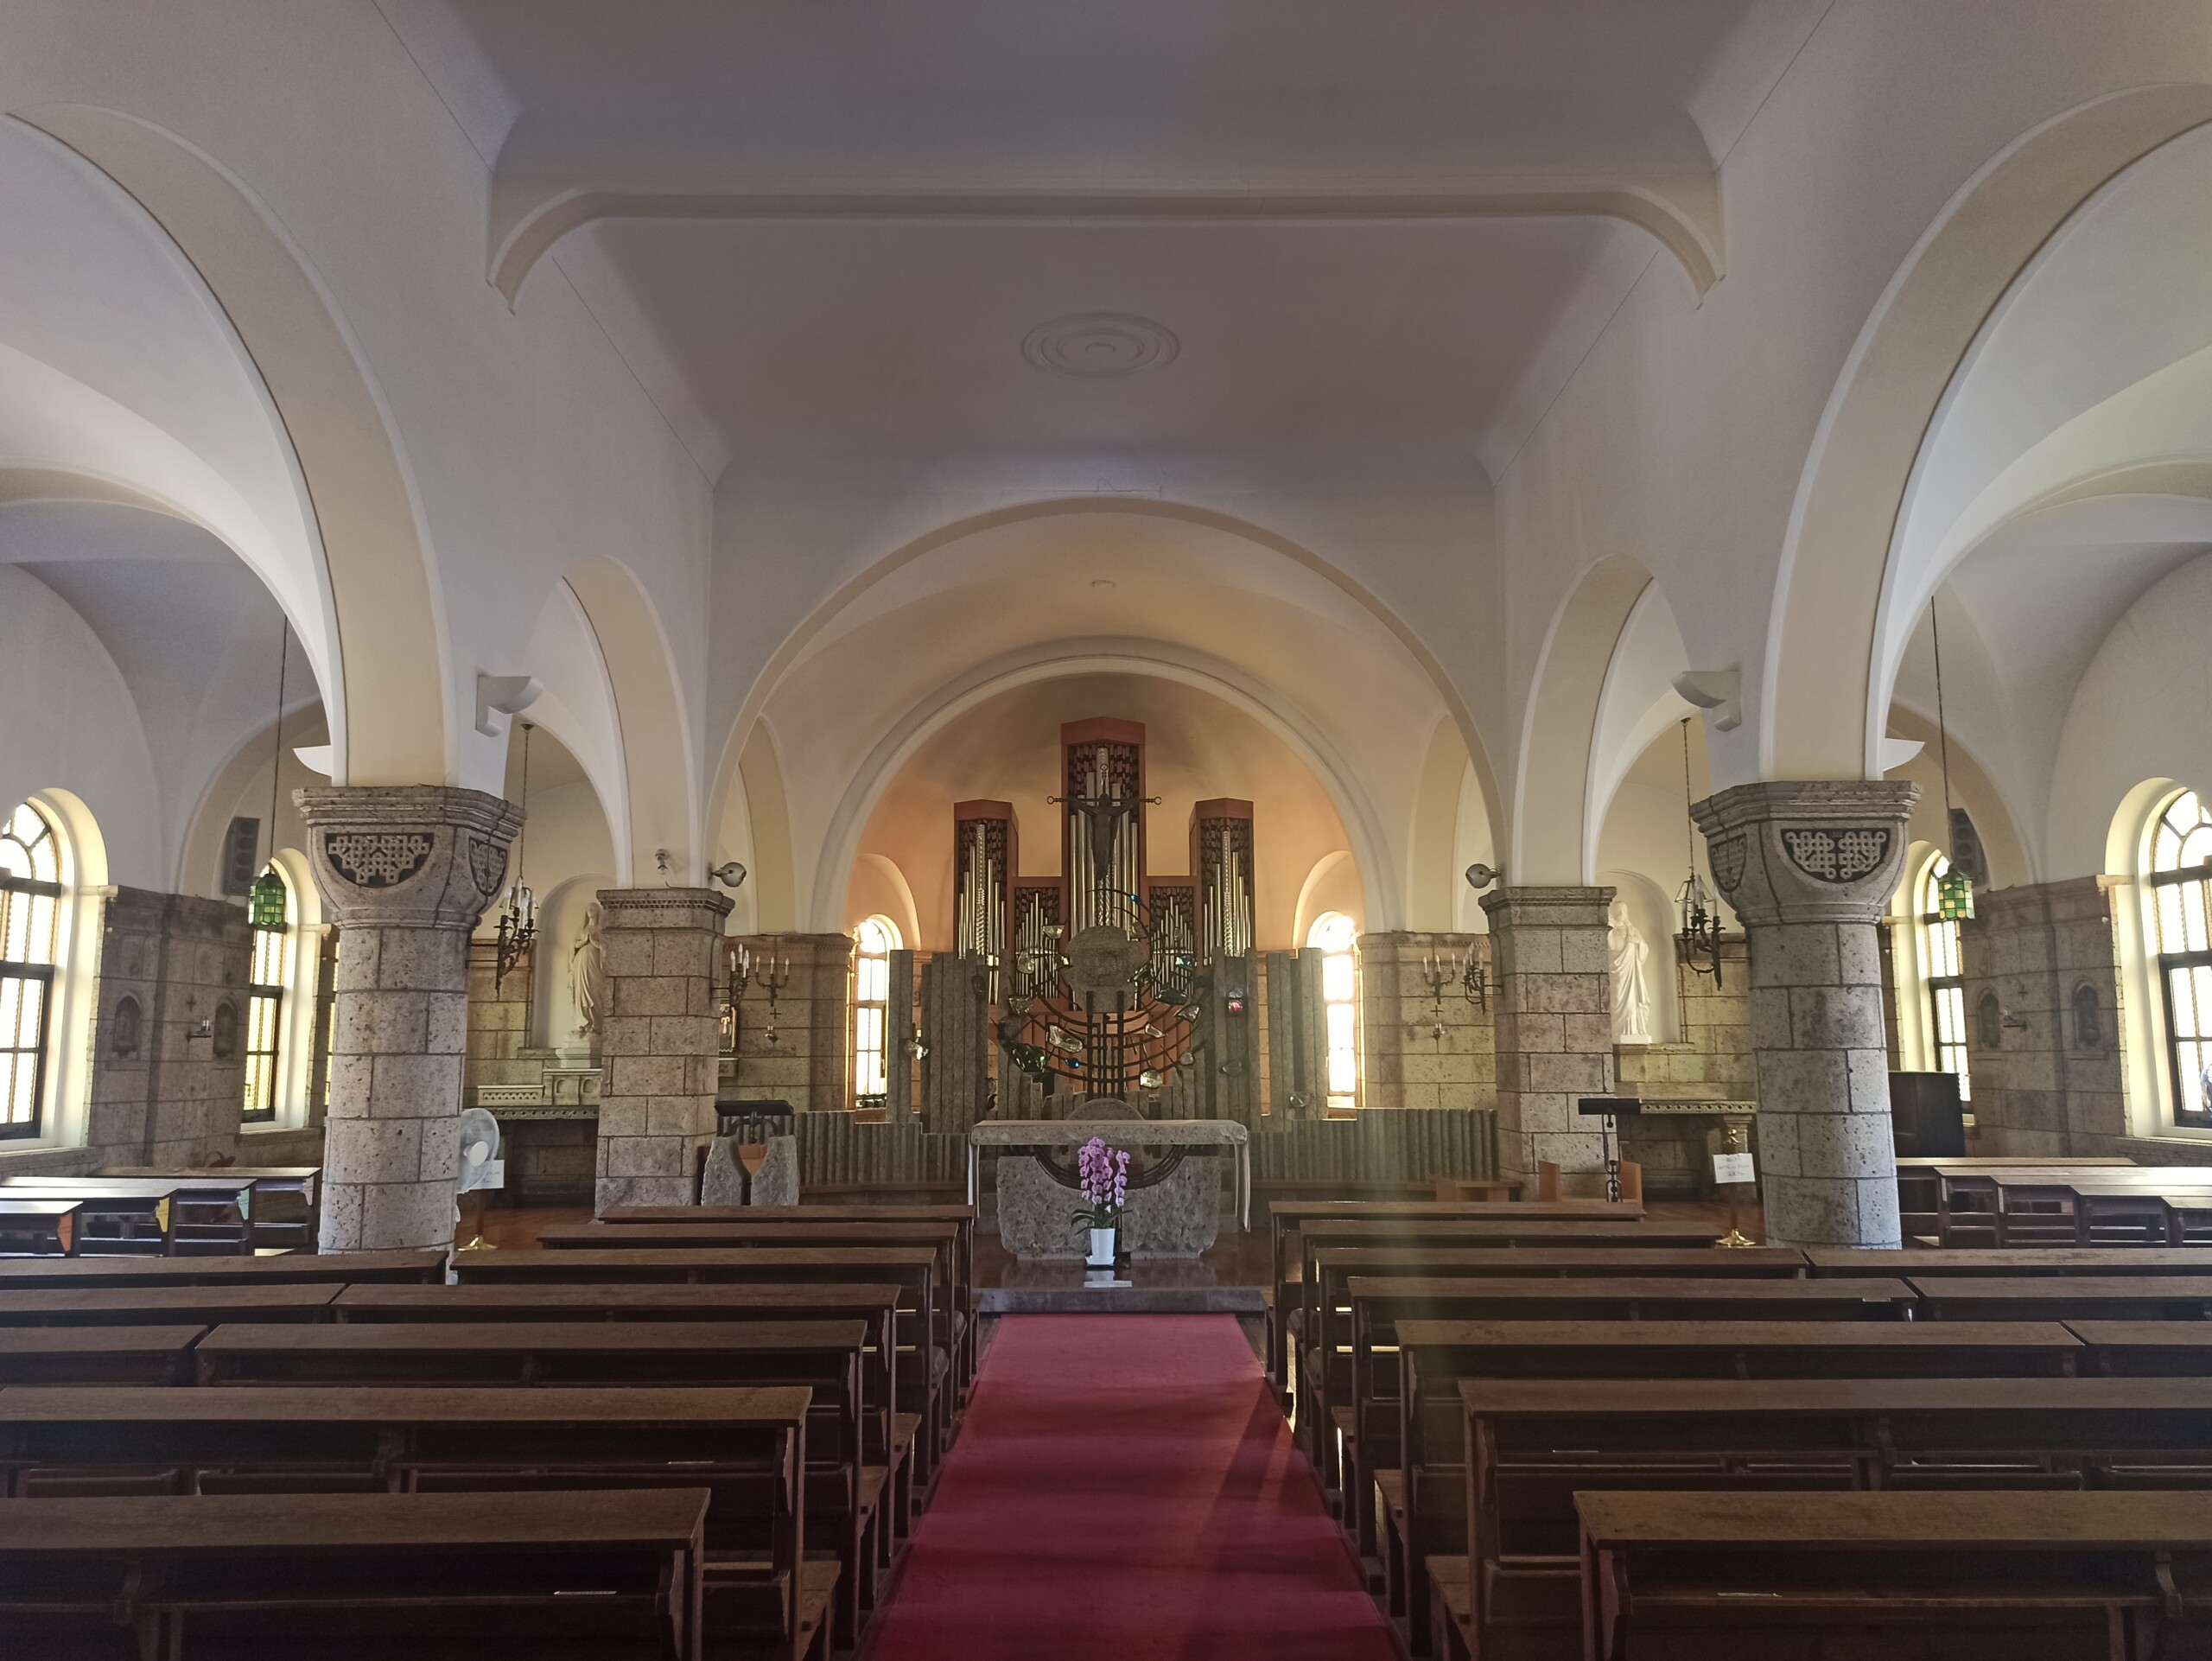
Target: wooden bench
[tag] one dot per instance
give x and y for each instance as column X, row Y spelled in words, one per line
column 1329, row 1270
column 2143, row 1349
column 98, row 1355
column 156, row 1306
column 2064, row 1297
column 344, row 1268
column 962, row 1217
column 1842, row 1262
column 1920, row 1188
column 436, row 1576
column 206, row 1212
column 1420, row 1451
column 733, row 1227
column 1909, row 1576
column 1286, row 1215
column 747, row 1447
column 287, row 1200
column 848, row 1483
column 1485, row 1233
column 924, row 1384
column 40, row 1228
column 1530, row 1445
column 2168, row 1209
column 876, row 1304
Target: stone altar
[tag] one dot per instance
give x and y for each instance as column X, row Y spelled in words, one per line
column 1175, row 1216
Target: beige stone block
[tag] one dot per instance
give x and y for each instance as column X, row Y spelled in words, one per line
column 415, row 1086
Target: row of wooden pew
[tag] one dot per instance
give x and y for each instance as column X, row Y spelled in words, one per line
column 2019, row 1201
column 136, row 1211
column 723, row 1440
column 1589, row 1435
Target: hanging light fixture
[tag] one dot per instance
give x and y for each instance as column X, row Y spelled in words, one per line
column 264, row 904
column 1955, row 889
column 519, row 918
column 1701, row 911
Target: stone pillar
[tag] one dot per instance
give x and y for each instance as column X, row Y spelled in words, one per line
column 1809, row 868
column 1552, row 1012
column 660, row 1041
column 406, row 872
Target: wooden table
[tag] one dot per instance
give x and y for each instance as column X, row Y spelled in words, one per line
column 294, row 1571
column 1843, row 1262
column 98, row 1355
column 1915, row 1577
column 146, row 1306
column 208, row 1212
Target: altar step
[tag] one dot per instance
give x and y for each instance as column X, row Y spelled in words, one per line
column 1072, row 1298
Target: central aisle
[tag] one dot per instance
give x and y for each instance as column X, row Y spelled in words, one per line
column 1123, row 1489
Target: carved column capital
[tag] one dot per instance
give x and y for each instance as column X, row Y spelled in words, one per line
column 1829, row 852
column 407, row 855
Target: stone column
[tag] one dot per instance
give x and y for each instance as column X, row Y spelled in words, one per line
column 660, row 1041
column 1552, row 1012
column 406, row 872
column 1809, row 868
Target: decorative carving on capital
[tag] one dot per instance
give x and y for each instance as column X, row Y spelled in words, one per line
column 663, row 909
column 1825, row 851
column 407, row 855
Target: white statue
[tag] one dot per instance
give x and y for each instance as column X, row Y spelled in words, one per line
column 588, row 974
column 1631, row 986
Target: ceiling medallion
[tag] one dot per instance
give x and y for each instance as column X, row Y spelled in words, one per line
column 1096, row 344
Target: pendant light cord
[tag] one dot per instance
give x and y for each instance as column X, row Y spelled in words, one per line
column 276, row 751
column 1942, row 730
column 522, row 836
column 1689, row 822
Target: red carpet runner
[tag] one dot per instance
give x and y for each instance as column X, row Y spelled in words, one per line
column 1123, row 1489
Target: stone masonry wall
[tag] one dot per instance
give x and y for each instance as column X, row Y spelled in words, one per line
column 1403, row 1063
column 809, row 1062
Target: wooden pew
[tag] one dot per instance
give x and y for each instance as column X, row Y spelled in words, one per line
column 155, row 1305
column 1286, row 1217
column 2166, row 1211
column 1531, row 1444
column 287, row 1200
column 1492, row 1233
column 438, row 1577
column 1830, row 1262
column 341, row 1269
column 1332, row 1402
column 952, row 1239
column 747, row 1447
column 2064, row 1297
column 925, row 1386
column 848, row 1490
column 1908, row 1576
column 1920, row 1189
column 207, row 1211
column 877, row 1305
column 1420, row 1472
column 40, row 1228
column 98, row 1355
column 2145, row 1349
column 962, row 1217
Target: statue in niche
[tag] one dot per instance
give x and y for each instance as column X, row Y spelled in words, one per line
column 587, row 975
column 1631, row 980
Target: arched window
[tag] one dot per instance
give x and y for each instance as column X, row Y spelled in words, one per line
column 1335, row 938
column 276, row 925
column 1942, row 972
column 30, row 942
column 874, row 941
column 2181, row 944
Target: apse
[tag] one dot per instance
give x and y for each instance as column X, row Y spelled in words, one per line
column 1197, row 748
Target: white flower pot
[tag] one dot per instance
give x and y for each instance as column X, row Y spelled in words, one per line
column 1102, row 1249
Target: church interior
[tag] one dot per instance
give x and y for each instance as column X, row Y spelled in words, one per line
column 1229, row 828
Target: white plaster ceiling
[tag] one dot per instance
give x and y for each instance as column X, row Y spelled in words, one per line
column 854, row 306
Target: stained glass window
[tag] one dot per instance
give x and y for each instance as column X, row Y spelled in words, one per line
column 273, row 938
column 2181, row 895
column 875, row 940
column 1942, row 970
column 1336, row 937
column 30, row 942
